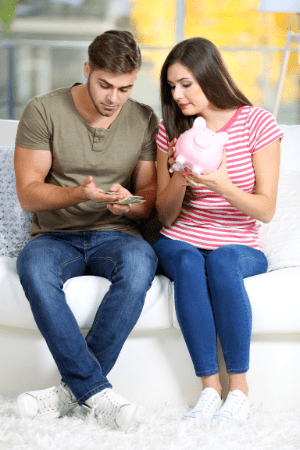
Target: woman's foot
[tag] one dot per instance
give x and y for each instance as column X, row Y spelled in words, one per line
column 235, row 409
column 208, row 404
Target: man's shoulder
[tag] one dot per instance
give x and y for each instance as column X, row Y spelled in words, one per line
column 53, row 96
column 49, row 107
column 135, row 107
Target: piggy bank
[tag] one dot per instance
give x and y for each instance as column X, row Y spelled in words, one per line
column 200, row 149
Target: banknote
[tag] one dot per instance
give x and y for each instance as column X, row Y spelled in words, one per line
column 132, row 199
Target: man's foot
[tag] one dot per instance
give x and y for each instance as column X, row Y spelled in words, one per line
column 208, row 403
column 235, row 409
column 47, row 403
column 113, row 409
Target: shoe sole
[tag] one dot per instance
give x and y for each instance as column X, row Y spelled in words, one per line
column 46, row 416
column 125, row 417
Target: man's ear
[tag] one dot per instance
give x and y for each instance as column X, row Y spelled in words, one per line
column 87, row 70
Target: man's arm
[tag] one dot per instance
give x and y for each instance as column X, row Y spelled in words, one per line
column 32, row 168
column 145, row 185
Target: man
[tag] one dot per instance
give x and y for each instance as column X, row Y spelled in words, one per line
column 73, row 146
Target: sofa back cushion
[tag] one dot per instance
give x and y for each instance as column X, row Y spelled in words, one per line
column 8, row 131
column 290, row 147
column 15, row 224
column 280, row 238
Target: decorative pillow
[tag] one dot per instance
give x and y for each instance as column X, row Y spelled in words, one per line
column 281, row 237
column 15, row 224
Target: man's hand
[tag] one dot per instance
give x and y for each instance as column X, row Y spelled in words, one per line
column 91, row 192
column 122, row 194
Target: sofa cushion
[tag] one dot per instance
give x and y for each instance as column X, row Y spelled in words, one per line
column 290, row 155
column 281, row 237
column 274, row 299
column 84, row 295
column 15, row 224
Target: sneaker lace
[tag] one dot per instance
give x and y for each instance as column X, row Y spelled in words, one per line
column 109, row 405
column 54, row 400
column 233, row 405
column 205, row 401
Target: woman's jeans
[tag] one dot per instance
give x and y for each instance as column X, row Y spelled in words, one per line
column 48, row 261
column 211, row 300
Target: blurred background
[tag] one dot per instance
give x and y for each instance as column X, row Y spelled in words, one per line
column 43, row 45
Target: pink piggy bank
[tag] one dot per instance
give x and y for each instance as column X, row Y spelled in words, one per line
column 200, row 149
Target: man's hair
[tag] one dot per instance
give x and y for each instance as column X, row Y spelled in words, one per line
column 115, row 51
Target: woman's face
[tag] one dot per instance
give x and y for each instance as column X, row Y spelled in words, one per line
column 186, row 90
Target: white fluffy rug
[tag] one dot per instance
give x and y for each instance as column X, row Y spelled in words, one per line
column 155, row 428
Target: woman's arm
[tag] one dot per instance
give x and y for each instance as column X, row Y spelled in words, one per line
column 261, row 205
column 170, row 192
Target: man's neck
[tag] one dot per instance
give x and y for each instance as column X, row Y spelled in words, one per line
column 87, row 110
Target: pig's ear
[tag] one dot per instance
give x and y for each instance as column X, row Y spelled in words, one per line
column 222, row 137
column 199, row 122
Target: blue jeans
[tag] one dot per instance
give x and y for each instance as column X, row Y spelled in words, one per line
column 48, row 261
column 211, row 300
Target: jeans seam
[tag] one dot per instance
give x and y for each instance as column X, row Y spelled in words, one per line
column 207, row 373
column 68, row 262
column 244, row 370
column 104, row 299
column 228, row 368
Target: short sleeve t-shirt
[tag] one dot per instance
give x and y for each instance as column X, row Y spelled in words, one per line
column 52, row 123
column 207, row 220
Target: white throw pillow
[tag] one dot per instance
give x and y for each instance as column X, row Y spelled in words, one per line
column 15, row 224
column 281, row 237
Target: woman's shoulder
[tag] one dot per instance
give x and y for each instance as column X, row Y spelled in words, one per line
column 162, row 127
column 256, row 113
column 162, row 139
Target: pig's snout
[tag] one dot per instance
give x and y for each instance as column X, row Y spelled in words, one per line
column 201, row 141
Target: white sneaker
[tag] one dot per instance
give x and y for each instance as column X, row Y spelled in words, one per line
column 208, row 403
column 235, row 409
column 47, row 403
column 113, row 409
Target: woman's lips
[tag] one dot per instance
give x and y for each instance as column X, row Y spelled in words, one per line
column 183, row 105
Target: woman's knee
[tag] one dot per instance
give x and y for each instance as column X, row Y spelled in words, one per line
column 177, row 257
column 234, row 260
column 222, row 259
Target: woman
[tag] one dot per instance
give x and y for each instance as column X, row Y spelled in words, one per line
column 209, row 241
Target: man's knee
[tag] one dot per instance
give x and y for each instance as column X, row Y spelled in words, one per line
column 139, row 264
column 141, row 258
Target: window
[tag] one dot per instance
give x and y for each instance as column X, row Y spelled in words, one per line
column 48, row 44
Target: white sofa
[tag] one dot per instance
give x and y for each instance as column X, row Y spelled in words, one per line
column 154, row 365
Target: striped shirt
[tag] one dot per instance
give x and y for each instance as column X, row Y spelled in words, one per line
column 206, row 219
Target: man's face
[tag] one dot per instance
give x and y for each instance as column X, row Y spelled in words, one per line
column 109, row 91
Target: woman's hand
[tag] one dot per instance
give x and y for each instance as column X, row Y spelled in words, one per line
column 171, row 154
column 217, row 181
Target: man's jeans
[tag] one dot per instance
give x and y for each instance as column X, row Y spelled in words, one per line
column 211, row 300
column 48, row 261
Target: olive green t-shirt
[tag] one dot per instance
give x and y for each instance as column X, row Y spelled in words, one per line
column 52, row 123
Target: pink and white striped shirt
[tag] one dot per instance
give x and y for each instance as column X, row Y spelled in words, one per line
column 207, row 220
